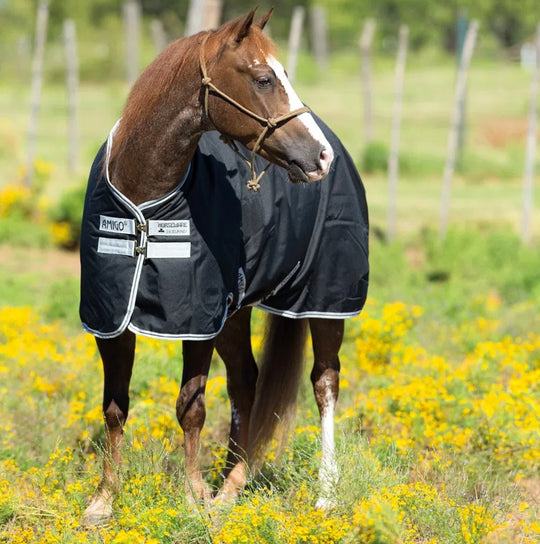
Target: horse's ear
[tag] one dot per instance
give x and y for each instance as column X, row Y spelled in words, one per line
column 244, row 25
column 261, row 23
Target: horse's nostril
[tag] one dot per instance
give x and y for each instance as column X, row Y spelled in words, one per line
column 325, row 158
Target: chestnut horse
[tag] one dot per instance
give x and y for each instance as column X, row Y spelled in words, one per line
column 226, row 80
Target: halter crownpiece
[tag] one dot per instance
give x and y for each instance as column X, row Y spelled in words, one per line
column 268, row 123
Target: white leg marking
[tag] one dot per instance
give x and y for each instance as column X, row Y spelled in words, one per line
column 328, row 471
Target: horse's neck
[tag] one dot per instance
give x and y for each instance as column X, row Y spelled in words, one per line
column 156, row 156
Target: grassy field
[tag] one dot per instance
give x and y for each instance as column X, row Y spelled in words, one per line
column 438, row 426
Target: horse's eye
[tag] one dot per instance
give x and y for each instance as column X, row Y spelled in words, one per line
column 263, row 82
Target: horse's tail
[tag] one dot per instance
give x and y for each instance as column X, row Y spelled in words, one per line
column 280, row 373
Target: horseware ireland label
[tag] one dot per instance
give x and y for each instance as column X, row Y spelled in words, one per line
column 168, row 228
column 118, row 225
column 116, row 246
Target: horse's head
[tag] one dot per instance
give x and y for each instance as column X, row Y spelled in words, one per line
column 249, row 92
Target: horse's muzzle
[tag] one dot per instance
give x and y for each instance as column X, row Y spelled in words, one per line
column 325, row 160
column 300, row 173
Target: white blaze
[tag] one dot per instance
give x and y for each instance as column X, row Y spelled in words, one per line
column 295, row 103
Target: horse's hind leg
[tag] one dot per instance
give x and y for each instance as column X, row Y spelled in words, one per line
column 327, row 336
column 234, row 346
column 117, row 355
column 191, row 410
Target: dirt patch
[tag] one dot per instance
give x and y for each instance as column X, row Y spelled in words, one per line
column 532, row 490
column 500, row 132
column 48, row 261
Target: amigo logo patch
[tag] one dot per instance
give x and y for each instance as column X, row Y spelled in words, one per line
column 118, row 225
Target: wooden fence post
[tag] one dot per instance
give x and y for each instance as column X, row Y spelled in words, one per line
column 132, row 26
column 366, row 42
column 195, row 16
column 211, row 14
column 72, row 83
column 319, row 36
column 462, row 25
column 393, row 160
column 528, row 173
column 37, row 83
column 456, row 122
column 295, row 38
column 159, row 36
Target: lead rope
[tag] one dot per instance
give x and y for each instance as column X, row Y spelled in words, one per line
column 269, row 124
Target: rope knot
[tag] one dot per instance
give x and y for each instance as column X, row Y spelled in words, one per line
column 206, row 80
column 253, row 185
column 271, row 122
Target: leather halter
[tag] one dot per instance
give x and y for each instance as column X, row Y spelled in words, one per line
column 269, row 123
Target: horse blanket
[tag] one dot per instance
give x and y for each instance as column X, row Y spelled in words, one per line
column 176, row 267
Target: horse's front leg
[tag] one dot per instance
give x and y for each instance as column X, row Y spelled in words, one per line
column 117, row 355
column 327, row 336
column 234, row 346
column 191, row 411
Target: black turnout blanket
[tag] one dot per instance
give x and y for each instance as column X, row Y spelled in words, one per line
column 176, row 267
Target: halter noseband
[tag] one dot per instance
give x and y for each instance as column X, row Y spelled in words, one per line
column 270, row 123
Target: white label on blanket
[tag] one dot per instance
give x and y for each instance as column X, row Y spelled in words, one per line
column 118, row 225
column 168, row 228
column 115, row 246
column 168, row 250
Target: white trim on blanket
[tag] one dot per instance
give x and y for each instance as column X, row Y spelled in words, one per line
column 302, row 315
column 175, row 337
column 130, row 308
column 159, row 336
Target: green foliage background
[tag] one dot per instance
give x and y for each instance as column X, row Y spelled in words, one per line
column 431, row 22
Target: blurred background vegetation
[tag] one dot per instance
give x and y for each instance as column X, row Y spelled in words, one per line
column 430, row 22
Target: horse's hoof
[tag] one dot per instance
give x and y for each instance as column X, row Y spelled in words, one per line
column 96, row 520
column 225, row 497
column 98, row 513
column 232, row 486
column 198, row 493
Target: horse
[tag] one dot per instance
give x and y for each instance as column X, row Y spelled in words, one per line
column 154, row 263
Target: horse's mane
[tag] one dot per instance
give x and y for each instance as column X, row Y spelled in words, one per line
column 154, row 84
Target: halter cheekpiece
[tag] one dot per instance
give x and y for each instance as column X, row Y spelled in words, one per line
column 269, row 124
